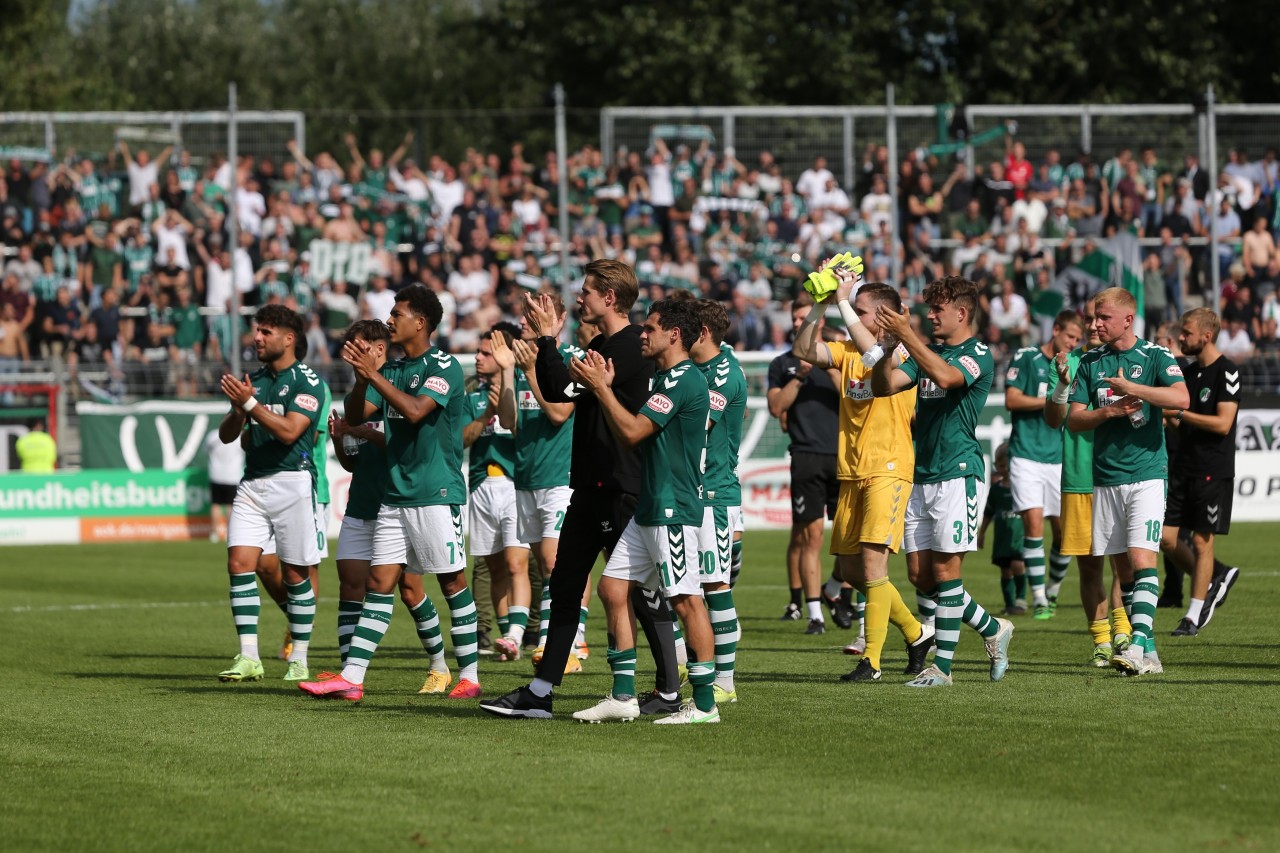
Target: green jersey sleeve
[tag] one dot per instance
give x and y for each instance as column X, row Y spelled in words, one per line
column 1168, row 371
column 660, row 408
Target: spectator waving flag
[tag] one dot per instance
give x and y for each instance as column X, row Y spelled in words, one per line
column 1116, row 262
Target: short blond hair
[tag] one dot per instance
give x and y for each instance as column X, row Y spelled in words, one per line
column 1117, row 296
column 1204, row 319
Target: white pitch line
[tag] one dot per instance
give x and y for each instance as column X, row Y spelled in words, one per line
column 141, row 605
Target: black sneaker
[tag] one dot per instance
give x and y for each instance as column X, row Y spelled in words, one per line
column 530, row 640
column 863, row 672
column 1217, row 595
column 653, row 705
column 918, row 652
column 1186, row 628
column 842, row 613
column 1169, row 599
column 484, row 645
column 792, row 613
column 816, row 626
column 519, row 703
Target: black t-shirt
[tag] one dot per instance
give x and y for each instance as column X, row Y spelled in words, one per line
column 814, row 418
column 1200, row 452
column 108, row 322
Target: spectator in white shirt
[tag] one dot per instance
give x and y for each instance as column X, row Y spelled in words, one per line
column 1234, row 341
column 813, row 181
column 1010, row 316
column 447, row 192
column 171, row 233
column 468, row 283
column 143, row 172
column 877, row 205
column 378, row 300
column 251, row 207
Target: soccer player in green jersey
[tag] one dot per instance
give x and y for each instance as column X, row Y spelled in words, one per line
column 492, row 528
column 722, row 519
column 659, row 547
column 1118, row 392
column 544, row 447
column 954, row 376
column 419, row 526
column 361, row 450
column 1035, row 456
column 1077, row 511
column 280, row 404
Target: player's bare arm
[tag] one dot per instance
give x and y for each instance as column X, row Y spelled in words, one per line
column 1218, row 423
column 360, row 356
column 286, row 428
column 596, row 373
column 1082, row 419
column 945, row 376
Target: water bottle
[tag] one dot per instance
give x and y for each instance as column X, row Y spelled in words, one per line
column 1139, row 418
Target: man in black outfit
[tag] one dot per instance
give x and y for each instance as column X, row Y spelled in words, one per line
column 807, row 402
column 1202, row 472
column 605, row 478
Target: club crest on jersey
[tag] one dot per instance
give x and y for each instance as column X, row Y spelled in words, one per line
column 1204, row 395
column 661, row 404
column 283, row 391
column 718, row 401
column 1173, row 370
column 306, row 401
column 413, row 383
column 970, row 365
column 1135, row 371
column 436, row 383
column 1012, row 375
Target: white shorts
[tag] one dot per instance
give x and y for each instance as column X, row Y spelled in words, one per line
column 540, row 512
column 1128, row 516
column 664, row 558
column 944, row 516
column 355, row 539
column 492, row 517
column 1036, row 484
column 278, row 512
column 322, row 527
column 715, row 560
column 423, row 539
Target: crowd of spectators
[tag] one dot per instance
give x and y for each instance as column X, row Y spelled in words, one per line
column 126, row 263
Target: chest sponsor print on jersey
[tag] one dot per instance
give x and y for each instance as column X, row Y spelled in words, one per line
column 858, row 389
column 661, row 404
column 931, row 390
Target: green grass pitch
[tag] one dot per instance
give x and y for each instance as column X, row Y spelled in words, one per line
column 114, row 734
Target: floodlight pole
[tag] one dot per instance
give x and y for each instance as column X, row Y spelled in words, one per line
column 891, row 139
column 233, row 231
column 1215, row 274
column 562, row 160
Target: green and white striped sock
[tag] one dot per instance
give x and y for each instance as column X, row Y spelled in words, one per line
column 517, row 622
column 724, row 625
column 462, row 630
column 582, row 626
column 375, row 618
column 544, row 614
column 427, row 623
column 977, row 618
column 1033, row 556
column 302, row 615
column 1059, row 563
column 1146, row 591
column 245, row 606
column 702, row 675
column 504, row 623
column 348, row 616
column 682, row 652
column 1126, row 596
column 927, row 605
column 947, row 630
column 623, row 666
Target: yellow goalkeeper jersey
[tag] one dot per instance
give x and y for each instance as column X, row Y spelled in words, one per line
column 875, row 433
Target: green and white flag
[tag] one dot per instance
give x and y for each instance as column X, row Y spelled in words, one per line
column 1116, row 262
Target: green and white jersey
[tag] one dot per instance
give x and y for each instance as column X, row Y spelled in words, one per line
column 93, row 192
column 45, row 286
column 544, row 451
column 496, row 444
column 322, row 445
column 369, row 479
column 1077, row 447
column 1030, row 372
column 137, row 263
column 728, row 389
column 294, row 389
column 188, row 326
column 426, row 457
column 187, row 177
column 1123, row 453
column 271, row 288
column 671, row 458
column 947, row 421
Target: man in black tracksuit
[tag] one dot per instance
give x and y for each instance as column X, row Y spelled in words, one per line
column 605, row 478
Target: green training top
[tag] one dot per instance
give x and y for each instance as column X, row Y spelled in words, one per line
column 947, row 421
column 1077, row 447
column 544, row 451
column 369, row 479
column 322, row 446
column 1033, row 438
column 1123, row 453
column 295, row 389
column 495, row 446
column 671, row 458
column 728, row 389
column 426, row 457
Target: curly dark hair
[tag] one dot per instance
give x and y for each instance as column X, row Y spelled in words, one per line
column 423, row 301
column 955, row 289
column 280, row 317
column 680, row 314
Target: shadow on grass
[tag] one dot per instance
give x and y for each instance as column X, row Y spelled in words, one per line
column 133, row 656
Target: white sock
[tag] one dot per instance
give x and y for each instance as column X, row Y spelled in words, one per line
column 1193, row 610
column 815, row 610
column 831, row 589
column 299, row 651
column 540, row 687
column 249, row 646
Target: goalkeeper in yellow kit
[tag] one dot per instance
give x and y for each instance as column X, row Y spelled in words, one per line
column 876, row 462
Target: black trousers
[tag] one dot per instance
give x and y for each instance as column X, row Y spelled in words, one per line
column 593, row 523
